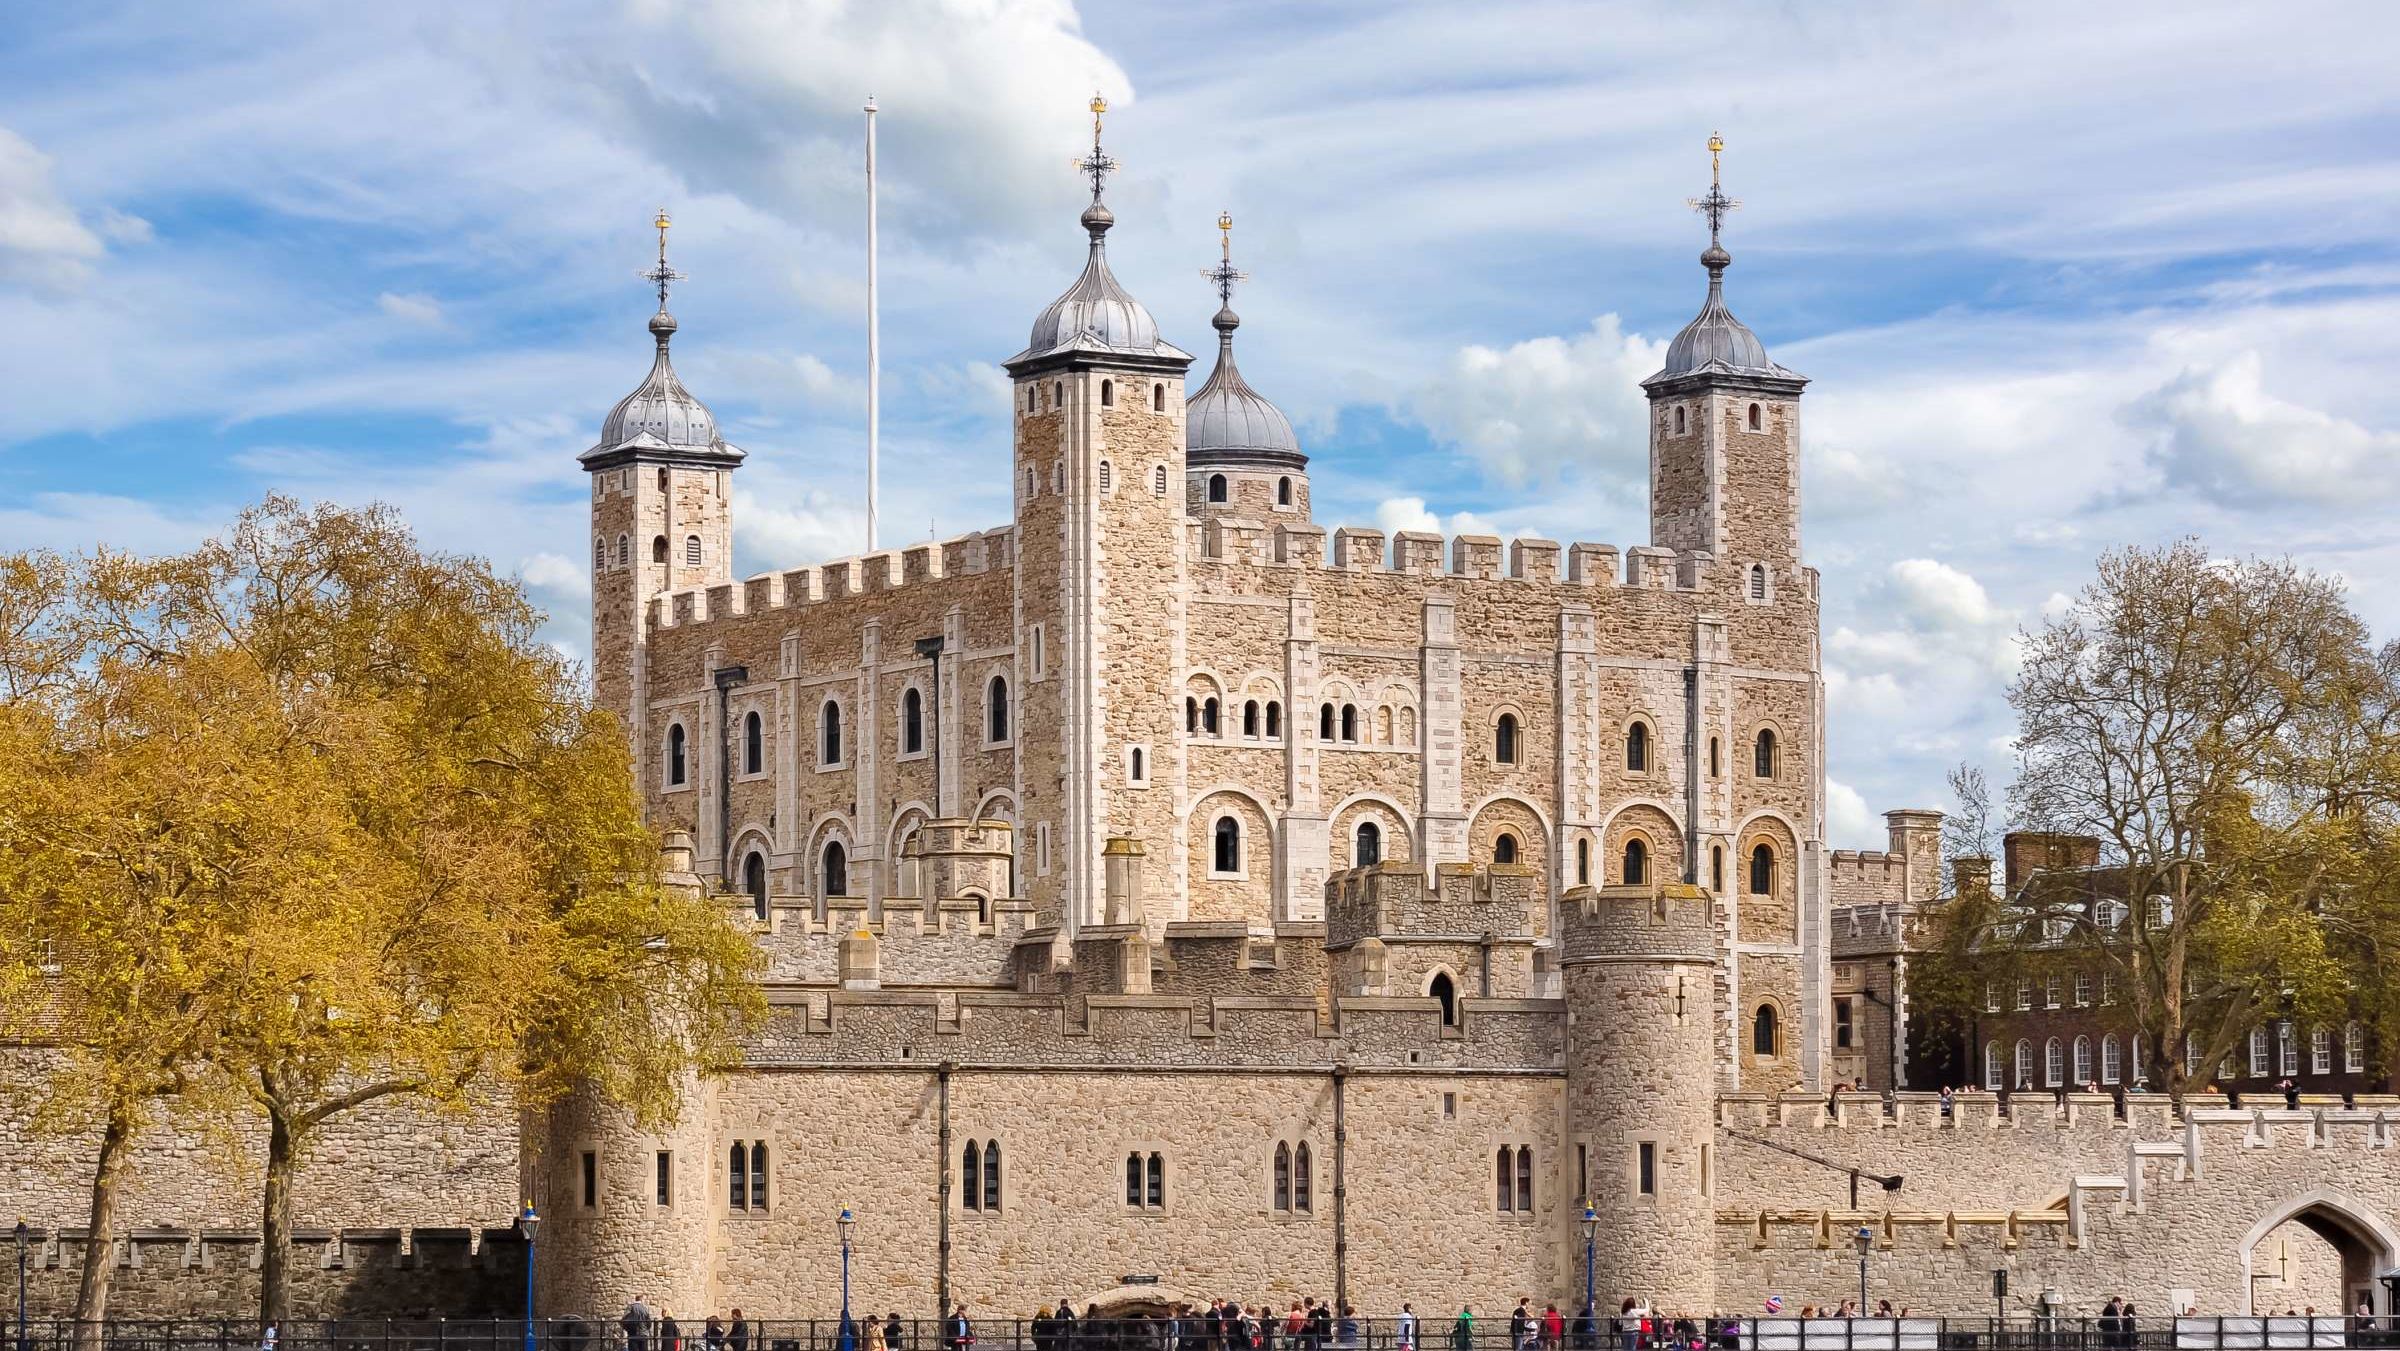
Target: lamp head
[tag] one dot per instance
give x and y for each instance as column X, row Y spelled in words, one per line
column 1590, row 1222
column 529, row 1220
column 845, row 1222
column 1865, row 1238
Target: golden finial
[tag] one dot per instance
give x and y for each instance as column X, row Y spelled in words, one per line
column 1099, row 106
column 1225, row 229
column 663, row 221
column 1716, row 147
column 662, row 276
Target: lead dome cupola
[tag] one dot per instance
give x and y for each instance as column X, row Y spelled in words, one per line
column 1097, row 315
column 1714, row 342
column 661, row 418
column 1228, row 424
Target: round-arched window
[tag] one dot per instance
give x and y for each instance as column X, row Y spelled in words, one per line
column 1369, row 851
column 1504, row 849
column 1636, row 871
column 1216, row 487
column 1766, row 1036
column 1227, row 841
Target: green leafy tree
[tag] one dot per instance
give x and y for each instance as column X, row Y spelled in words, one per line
column 2223, row 728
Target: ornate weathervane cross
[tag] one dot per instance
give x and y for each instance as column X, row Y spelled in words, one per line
column 1098, row 166
column 1225, row 274
column 1716, row 203
column 662, row 276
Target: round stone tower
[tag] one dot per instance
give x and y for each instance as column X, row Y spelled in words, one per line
column 1639, row 967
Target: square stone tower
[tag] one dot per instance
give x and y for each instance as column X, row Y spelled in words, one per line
column 1099, row 472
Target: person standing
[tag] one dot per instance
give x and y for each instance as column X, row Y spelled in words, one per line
column 1404, row 1330
column 1520, row 1324
column 1554, row 1328
column 712, row 1333
column 961, row 1332
column 1320, row 1326
column 1345, row 1333
column 892, row 1334
column 636, row 1324
column 1462, row 1332
column 738, row 1336
column 1587, row 1331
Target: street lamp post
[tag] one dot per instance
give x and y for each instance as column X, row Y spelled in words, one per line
column 845, row 1223
column 21, row 1235
column 528, row 1221
column 1866, row 1239
column 1591, row 1236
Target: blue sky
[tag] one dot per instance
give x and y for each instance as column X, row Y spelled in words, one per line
column 2065, row 276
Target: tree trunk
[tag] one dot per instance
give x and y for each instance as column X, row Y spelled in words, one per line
column 275, row 1225
column 100, row 1229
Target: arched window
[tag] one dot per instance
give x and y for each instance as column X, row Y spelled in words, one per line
column 1227, row 856
column 758, row 1175
column 1636, row 870
column 1637, row 748
column 1762, row 754
column 1058, row 394
column 2054, row 1063
column 1191, row 714
column 1250, row 717
column 1133, row 1179
column 1766, row 1038
column 1141, row 765
column 995, row 710
column 1158, row 404
column 1762, row 870
column 1325, row 723
column 836, row 870
column 1208, row 715
column 912, row 722
column 1504, row 1177
column 1445, row 992
column 970, row 1171
column 1303, row 1185
column 1504, row 849
column 1504, row 739
column 1758, row 419
column 1349, row 722
column 1716, row 868
column 658, row 549
column 991, row 1175
column 829, row 747
column 738, row 1173
column 1158, row 479
column 1274, row 718
column 1283, row 1176
column 1583, row 863
column 1033, row 485
column 1758, row 581
column 662, row 480
column 1716, row 761
column 754, row 744
column 691, row 551
column 1216, row 487
column 1525, row 1179
column 1992, row 1069
column 1108, row 394
column 754, row 881
column 1679, row 421
column 624, row 551
column 2022, row 1070
column 2112, row 1059
column 1104, row 478
column 2083, row 1061
column 1155, row 1181
column 1283, row 491
column 677, row 771
column 1369, row 849
column 599, row 554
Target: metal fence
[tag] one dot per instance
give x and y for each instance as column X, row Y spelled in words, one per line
column 1489, row 1331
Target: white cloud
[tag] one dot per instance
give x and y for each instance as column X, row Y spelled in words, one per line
column 549, row 574
column 41, row 238
column 1850, row 824
column 415, row 308
column 2220, row 433
column 1545, row 403
column 1395, row 514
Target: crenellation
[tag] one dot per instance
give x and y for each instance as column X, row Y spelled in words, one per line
column 1417, row 551
column 1592, row 564
column 1475, row 556
column 1357, row 548
column 1533, row 560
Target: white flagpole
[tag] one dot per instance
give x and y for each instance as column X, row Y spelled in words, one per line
column 874, row 337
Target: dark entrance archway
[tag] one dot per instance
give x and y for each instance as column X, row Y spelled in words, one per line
column 2367, row 1242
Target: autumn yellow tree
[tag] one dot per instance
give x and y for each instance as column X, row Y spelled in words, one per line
column 478, row 916
column 2225, row 728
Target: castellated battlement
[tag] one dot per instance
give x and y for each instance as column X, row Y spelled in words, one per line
column 1664, row 921
column 1245, row 541
column 877, row 573
column 808, row 1028
column 1397, row 901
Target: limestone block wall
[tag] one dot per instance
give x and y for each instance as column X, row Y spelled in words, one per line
column 387, row 1165
column 359, row 1273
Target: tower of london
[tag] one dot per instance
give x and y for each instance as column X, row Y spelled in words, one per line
column 1165, row 894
